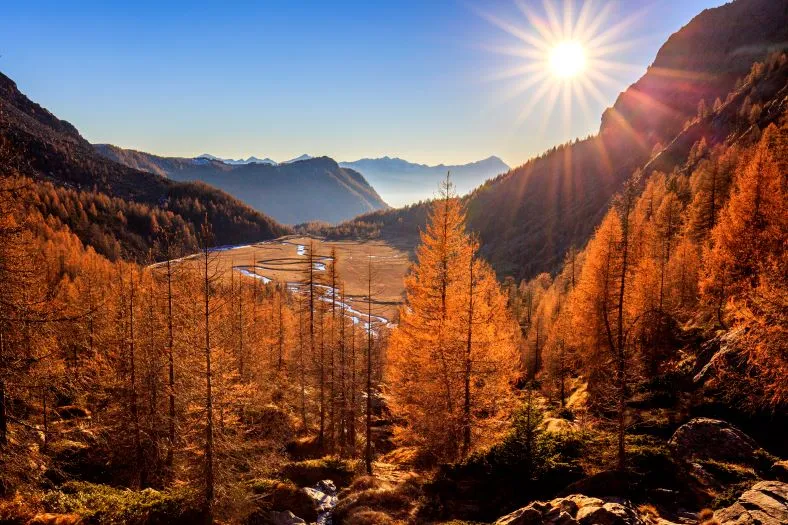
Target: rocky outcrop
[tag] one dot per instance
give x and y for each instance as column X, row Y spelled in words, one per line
column 284, row 518
column 287, row 497
column 705, row 438
column 766, row 503
column 779, row 471
column 55, row 519
column 575, row 509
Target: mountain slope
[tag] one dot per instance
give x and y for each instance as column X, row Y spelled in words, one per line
column 529, row 217
column 127, row 207
column 702, row 61
column 404, row 182
column 545, row 206
column 314, row 189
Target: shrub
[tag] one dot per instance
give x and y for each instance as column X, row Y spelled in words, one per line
column 359, row 507
column 527, row 464
column 370, row 517
column 307, row 473
column 262, row 486
column 111, row 506
column 16, row 511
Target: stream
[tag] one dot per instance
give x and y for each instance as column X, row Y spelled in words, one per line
column 324, row 495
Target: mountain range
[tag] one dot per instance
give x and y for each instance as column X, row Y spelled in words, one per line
column 403, row 182
column 301, row 190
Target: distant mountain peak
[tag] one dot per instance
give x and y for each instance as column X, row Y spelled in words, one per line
column 299, row 158
column 235, row 162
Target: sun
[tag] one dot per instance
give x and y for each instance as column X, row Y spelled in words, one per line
column 567, row 59
column 562, row 55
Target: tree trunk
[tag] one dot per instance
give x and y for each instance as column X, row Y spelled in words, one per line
column 171, row 372
column 209, row 476
column 140, row 460
column 368, row 447
column 466, row 413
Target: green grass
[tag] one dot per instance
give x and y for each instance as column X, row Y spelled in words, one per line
column 112, row 506
column 309, row 472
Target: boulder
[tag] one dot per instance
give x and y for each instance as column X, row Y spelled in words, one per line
column 779, row 471
column 575, row 509
column 55, row 519
column 72, row 412
column 766, row 503
column 558, row 425
column 286, row 496
column 284, row 518
column 605, row 483
column 324, row 495
column 705, row 438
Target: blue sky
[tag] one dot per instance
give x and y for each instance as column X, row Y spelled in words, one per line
column 415, row 79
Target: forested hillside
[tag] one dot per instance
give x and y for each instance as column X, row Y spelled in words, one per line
column 116, row 209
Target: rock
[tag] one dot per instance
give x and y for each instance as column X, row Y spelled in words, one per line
column 326, row 486
column 558, row 425
column 605, row 483
column 324, row 495
column 524, row 516
column 766, row 503
column 284, row 518
column 706, row 438
column 55, row 519
column 81, row 455
column 286, row 497
column 72, row 412
column 779, row 471
column 575, row 509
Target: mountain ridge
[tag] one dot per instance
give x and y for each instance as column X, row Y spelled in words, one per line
column 128, row 207
column 306, row 190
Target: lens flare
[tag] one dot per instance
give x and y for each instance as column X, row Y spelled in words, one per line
column 561, row 55
column 567, row 59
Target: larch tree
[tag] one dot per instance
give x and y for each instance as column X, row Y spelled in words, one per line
column 748, row 264
column 604, row 318
column 431, row 372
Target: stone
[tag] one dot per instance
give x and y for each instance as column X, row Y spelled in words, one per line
column 706, row 438
column 72, row 412
column 55, row 519
column 284, row 518
column 524, row 516
column 766, row 503
column 288, row 497
column 779, row 471
column 575, row 509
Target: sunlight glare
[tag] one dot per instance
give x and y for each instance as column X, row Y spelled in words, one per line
column 571, row 49
column 567, row 59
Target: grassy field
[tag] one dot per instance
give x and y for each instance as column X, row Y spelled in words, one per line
column 286, row 260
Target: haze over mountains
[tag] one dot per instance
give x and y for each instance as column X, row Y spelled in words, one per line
column 398, row 181
column 402, row 182
column 286, row 192
column 301, row 190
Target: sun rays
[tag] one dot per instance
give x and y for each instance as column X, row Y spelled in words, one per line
column 565, row 55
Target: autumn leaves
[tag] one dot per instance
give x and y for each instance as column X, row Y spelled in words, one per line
column 452, row 359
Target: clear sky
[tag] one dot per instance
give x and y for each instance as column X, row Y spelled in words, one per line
column 423, row 80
